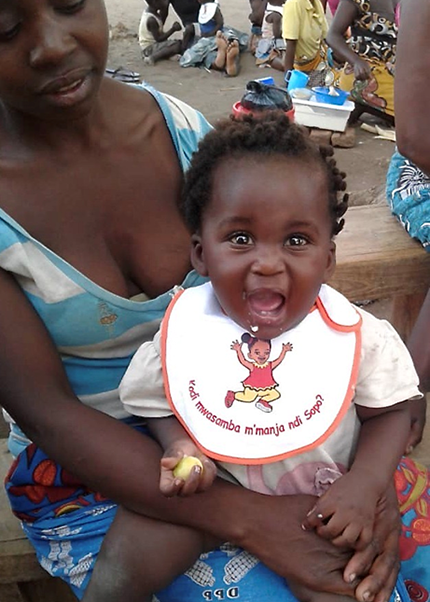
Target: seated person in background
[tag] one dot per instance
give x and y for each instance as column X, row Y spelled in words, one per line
column 205, row 43
column 209, row 21
column 153, row 40
column 369, row 53
column 304, row 27
column 271, row 47
column 210, row 18
column 257, row 257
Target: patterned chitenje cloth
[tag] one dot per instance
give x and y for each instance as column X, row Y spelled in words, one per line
column 66, row 523
column 373, row 38
column 408, row 195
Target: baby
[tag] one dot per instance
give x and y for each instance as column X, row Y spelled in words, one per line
column 265, row 373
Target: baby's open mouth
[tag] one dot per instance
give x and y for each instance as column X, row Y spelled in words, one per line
column 265, row 303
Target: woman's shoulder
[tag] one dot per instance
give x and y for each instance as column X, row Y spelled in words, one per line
column 145, row 106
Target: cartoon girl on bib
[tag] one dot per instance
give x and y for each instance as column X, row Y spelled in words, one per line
column 260, row 383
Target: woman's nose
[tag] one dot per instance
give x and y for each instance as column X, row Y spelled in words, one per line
column 51, row 42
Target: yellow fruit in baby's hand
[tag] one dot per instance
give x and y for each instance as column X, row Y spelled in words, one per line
column 184, row 467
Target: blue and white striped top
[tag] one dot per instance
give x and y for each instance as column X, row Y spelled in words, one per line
column 95, row 331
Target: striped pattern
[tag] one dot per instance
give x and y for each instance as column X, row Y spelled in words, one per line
column 96, row 331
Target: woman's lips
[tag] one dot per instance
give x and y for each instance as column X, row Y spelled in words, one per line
column 66, row 92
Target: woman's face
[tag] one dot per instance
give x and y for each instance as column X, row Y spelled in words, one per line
column 52, row 56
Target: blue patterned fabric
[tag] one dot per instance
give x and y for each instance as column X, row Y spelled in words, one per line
column 408, row 195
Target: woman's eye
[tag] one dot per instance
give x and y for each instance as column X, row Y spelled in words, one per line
column 240, row 239
column 8, row 34
column 71, row 7
column 296, row 240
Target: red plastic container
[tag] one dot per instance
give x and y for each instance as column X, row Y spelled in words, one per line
column 238, row 111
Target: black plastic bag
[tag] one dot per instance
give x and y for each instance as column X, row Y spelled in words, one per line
column 260, row 97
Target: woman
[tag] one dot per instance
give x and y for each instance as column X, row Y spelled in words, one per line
column 91, row 244
column 369, row 52
column 408, row 177
column 304, row 28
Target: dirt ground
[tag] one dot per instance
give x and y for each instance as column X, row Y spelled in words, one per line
column 213, row 94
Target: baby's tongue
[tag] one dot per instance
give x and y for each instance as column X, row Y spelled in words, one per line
column 265, row 301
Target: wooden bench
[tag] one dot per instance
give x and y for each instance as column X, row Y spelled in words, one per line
column 375, row 259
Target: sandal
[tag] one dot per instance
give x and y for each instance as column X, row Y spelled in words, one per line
column 124, row 75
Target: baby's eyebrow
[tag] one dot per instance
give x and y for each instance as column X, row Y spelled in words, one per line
column 233, row 220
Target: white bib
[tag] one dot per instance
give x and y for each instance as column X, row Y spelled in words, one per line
column 247, row 412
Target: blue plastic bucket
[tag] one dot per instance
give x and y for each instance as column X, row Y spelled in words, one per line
column 322, row 94
column 296, row 79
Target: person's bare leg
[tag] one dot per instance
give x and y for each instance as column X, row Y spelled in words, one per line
column 164, row 53
column 232, row 58
column 221, row 45
column 277, row 63
column 141, row 556
column 188, row 37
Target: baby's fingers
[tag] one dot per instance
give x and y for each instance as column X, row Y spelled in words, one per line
column 354, row 536
column 208, row 474
column 192, row 483
column 169, row 485
column 315, row 517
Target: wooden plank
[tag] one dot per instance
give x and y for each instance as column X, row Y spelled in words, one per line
column 46, row 590
column 376, row 258
column 11, row 593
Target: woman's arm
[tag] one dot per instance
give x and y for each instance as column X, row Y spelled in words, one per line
column 107, row 456
column 411, row 84
column 290, row 53
column 345, row 15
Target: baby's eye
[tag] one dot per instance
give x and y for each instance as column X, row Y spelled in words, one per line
column 240, row 238
column 296, row 240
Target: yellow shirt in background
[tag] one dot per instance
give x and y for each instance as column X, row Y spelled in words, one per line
column 304, row 21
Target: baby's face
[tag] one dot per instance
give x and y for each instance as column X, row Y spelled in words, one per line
column 265, row 241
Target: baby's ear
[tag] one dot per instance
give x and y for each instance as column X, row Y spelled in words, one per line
column 197, row 255
column 331, row 262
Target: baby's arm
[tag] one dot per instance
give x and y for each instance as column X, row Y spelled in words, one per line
column 178, row 445
column 346, row 513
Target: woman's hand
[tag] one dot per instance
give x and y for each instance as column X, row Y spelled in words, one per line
column 362, row 70
column 275, row 532
column 276, row 537
column 378, row 565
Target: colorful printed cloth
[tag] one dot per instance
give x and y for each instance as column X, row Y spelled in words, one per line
column 408, row 195
column 373, row 38
column 66, row 524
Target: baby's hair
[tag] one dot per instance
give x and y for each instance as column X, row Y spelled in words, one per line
column 269, row 135
column 249, row 340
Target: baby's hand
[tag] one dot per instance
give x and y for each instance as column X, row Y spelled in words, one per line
column 345, row 514
column 185, row 470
